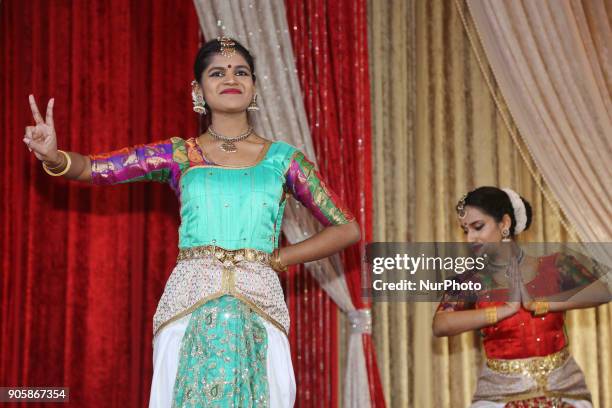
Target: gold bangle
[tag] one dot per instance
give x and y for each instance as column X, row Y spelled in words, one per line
column 62, row 164
column 50, row 171
column 541, row 307
column 275, row 262
column 491, row 314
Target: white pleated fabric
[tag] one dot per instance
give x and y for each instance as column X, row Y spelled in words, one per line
column 166, row 347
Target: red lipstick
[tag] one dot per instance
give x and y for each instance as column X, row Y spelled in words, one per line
column 231, row 91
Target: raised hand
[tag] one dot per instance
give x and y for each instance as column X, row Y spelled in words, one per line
column 527, row 300
column 41, row 138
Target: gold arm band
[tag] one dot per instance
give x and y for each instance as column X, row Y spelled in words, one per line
column 491, row 314
column 541, row 307
column 50, row 170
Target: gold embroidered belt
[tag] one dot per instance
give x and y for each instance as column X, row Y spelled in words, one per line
column 536, row 367
column 226, row 256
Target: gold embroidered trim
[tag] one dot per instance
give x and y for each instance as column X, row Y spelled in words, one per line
column 260, row 157
column 228, row 257
column 214, row 296
column 537, row 368
column 228, row 280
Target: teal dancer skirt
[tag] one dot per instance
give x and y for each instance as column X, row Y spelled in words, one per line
column 222, row 361
column 223, row 354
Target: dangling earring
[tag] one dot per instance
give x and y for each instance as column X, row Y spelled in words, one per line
column 199, row 105
column 253, row 107
column 506, row 235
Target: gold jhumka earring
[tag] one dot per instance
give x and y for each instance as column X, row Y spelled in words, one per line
column 199, row 105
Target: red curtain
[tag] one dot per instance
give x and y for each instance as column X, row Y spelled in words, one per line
column 330, row 45
column 83, row 267
column 314, row 340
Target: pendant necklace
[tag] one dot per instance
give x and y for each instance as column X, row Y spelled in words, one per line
column 228, row 144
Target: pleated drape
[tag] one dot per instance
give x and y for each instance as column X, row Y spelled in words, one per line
column 552, row 61
column 330, row 45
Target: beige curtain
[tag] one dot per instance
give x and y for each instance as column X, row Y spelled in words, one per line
column 437, row 134
column 551, row 59
column 262, row 28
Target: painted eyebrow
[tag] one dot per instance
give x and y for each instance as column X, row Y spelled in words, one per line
column 471, row 223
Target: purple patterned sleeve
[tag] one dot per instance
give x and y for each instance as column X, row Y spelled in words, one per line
column 145, row 162
column 306, row 185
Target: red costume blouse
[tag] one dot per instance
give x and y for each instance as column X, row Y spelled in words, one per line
column 524, row 335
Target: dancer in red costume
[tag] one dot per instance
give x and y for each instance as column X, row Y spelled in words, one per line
column 520, row 313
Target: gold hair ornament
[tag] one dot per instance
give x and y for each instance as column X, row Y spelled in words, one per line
column 228, row 46
column 461, row 207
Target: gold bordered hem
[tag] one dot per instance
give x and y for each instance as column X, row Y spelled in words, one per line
column 537, row 394
column 217, row 295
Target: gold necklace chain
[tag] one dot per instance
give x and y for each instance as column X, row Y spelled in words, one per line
column 229, row 143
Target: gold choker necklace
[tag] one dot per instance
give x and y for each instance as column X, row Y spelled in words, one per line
column 228, row 144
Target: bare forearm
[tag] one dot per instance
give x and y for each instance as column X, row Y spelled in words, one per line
column 593, row 295
column 80, row 166
column 451, row 323
column 321, row 245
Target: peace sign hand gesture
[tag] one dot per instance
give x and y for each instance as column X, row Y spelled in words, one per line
column 41, row 138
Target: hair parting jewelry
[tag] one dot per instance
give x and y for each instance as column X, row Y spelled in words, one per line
column 228, row 46
column 461, row 207
column 67, row 164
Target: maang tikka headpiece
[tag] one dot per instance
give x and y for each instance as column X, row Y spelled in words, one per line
column 461, row 207
column 228, row 46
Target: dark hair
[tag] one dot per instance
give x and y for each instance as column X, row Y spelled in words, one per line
column 212, row 48
column 495, row 202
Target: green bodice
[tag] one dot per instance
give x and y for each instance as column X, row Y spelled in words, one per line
column 235, row 207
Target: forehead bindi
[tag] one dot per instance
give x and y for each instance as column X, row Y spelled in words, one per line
column 235, row 60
